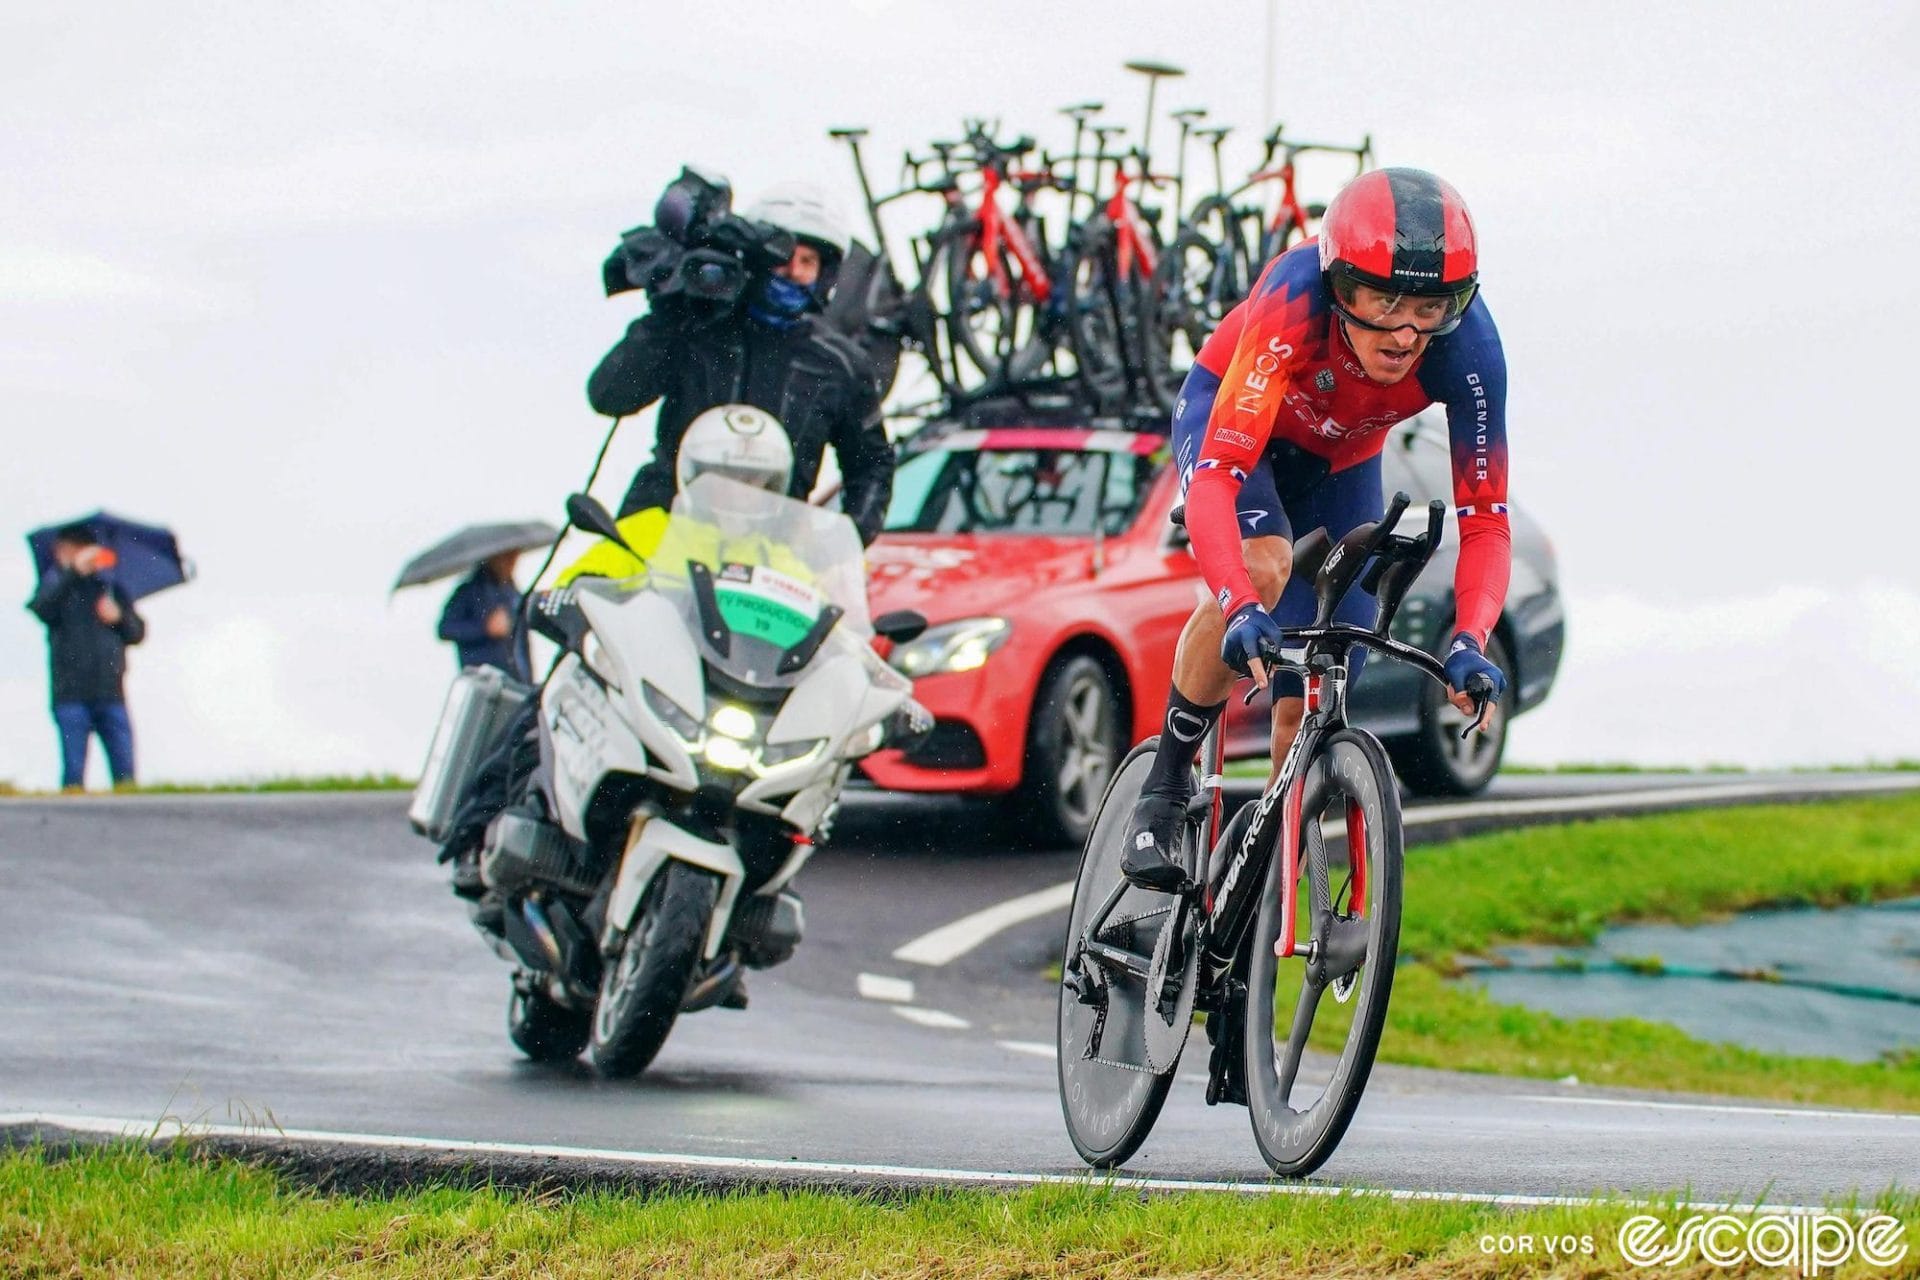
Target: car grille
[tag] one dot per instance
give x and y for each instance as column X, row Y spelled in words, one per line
column 951, row 745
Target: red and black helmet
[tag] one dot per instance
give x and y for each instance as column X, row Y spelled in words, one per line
column 1403, row 232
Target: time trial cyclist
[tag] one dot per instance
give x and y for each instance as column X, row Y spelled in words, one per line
column 1279, row 429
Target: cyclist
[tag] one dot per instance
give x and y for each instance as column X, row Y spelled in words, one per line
column 1279, row 429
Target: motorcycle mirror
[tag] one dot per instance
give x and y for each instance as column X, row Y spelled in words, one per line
column 901, row 625
column 585, row 512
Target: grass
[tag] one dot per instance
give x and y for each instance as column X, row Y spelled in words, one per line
column 245, row 786
column 1565, row 884
column 128, row 1213
column 1258, row 767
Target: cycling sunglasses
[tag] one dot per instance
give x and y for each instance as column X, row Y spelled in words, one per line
column 1428, row 315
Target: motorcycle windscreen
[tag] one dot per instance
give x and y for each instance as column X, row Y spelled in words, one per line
column 762, row 579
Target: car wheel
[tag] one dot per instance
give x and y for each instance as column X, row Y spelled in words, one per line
column 1072, row 747
column 1436, row 761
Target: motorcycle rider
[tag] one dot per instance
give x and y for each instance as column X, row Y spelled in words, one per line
column 773, row 352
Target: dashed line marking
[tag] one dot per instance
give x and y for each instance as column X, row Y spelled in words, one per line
column 935, row 1018
column 1033, row 1047
column 951, row 941
column 876, row 986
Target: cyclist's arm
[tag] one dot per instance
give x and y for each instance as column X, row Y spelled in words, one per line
column 1474, row 371
column 1256, row 378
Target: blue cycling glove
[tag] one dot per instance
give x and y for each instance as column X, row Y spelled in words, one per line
column 1465, row 661
column 1251, row 633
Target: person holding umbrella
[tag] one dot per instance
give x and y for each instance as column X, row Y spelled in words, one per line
column 90, row 621
column 478, row 619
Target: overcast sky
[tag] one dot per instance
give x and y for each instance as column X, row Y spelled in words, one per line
column 314, row 285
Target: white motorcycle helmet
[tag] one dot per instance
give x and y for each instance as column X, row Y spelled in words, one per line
column 740, row 442
column 814, row 218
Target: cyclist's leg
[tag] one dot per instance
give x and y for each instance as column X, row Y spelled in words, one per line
column 1201, row 681
column 1340, row 502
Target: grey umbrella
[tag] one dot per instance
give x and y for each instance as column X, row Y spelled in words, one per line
column 461, row 551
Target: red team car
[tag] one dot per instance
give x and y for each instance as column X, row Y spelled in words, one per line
column 1056, row 588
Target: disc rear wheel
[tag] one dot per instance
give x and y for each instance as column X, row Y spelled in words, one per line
column 1110, row 1091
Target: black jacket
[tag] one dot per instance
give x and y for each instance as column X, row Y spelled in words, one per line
column 464, row 620
column 810, row 377
column 87, row 658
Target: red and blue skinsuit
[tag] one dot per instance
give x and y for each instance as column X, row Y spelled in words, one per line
column 1278, row 428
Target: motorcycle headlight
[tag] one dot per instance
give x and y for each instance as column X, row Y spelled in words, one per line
column 775, row 754
column 729, row 754
column 952, row 646
column 734, row 722
column 675, row 716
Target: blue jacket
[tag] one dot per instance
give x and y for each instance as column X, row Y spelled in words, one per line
column 464, row 620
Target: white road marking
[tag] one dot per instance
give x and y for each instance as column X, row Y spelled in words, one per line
column 874, row 986
column 143, row 1129
column 1726, row 1108
column 935, row 1018
column 1033, row 1047
column 951, row 941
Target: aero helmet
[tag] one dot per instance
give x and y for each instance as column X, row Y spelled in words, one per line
column 1404, row 232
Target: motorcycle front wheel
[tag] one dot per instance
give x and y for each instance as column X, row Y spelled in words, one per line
column 642, row 987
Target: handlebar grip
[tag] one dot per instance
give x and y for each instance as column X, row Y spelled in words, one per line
column 1479, row 686
column 1436, row 523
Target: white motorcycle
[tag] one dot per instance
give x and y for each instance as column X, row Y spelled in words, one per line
column 694, row 736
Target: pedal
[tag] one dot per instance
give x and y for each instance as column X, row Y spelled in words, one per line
column 1084, row 988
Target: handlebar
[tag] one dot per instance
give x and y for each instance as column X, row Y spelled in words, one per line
column 1390, row 563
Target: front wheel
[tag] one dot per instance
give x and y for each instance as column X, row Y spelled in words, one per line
column 643, row 986
column 1313, row 1020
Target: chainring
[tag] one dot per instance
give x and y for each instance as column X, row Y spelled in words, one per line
column 1165, row 1036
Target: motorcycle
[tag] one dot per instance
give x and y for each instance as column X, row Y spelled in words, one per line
column 694, row 735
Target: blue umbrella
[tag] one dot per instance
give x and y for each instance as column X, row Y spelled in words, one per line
column 147, row 558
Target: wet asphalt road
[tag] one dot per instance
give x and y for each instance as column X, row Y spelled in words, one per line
column 299, row 960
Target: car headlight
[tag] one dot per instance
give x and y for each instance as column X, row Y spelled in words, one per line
column 675, row 716
column 952, row 646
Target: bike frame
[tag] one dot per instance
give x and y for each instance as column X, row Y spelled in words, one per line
column 1133, row 241
column 996, row 228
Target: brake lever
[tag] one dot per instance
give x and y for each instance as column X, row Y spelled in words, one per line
column 1482, row 706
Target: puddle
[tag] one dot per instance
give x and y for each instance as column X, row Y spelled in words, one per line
column 1843, row 983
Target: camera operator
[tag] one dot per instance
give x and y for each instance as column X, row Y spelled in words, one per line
column 768, row 348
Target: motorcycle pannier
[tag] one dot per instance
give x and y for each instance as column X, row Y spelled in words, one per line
column 482, row 701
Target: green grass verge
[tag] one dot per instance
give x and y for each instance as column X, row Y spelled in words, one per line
column 1565, row 884
column 131, row 1214
column 1258, row 767
column 246, row 786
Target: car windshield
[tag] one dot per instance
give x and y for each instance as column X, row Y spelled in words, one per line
column 1054, row 491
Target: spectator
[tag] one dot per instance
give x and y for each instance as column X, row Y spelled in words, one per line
column 479, row 616
column 90, row 622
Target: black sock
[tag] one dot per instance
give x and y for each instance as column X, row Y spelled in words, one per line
column 1180, row 734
